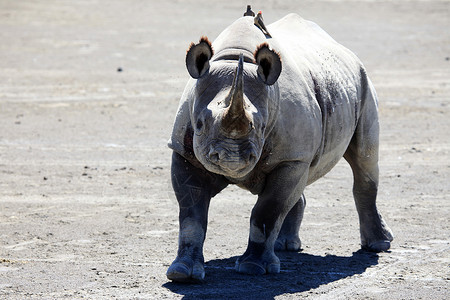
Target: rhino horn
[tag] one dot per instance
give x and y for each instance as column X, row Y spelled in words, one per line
column 236, row 121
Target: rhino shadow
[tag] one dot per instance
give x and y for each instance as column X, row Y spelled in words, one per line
column 300, row 272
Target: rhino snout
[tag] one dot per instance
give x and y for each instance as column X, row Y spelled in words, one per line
column 231, row 160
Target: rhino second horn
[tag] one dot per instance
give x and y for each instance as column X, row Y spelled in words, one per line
column 235, row 122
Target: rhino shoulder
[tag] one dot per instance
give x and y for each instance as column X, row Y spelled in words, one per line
column 180, row 140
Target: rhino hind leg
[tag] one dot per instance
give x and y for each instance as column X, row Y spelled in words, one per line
column 362, row 155
column 288, row 238
column 193, row 188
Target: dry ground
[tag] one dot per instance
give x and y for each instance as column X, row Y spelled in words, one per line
column 88, row 92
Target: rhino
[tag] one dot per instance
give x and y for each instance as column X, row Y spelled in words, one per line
column 271, row 115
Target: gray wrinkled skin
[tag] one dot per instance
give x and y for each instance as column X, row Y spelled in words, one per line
column 322, row 107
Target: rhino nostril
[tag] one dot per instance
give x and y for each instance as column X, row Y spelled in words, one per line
column 252, row 158
column 214, row 157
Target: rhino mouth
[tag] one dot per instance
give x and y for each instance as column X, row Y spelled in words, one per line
column 230, row 159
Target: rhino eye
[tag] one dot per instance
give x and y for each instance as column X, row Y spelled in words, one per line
column 199, row 125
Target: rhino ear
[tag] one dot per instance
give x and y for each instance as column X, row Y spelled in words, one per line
column 198, row 56
column 269, row 64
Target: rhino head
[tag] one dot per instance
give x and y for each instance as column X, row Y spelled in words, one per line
column 232, row 106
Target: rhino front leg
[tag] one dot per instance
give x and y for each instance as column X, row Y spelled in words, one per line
column 194, row 189
column 288, row 238
column 283, row 189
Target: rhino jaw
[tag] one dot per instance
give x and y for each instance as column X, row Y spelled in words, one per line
column 231, row 159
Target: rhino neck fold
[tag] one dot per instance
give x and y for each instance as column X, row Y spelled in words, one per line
column 235, row 122
column 232, row 54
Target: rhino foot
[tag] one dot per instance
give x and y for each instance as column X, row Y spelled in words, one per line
column 378, row 246
column 186, row 270
column 253, row 266
column 284, row 243
column 379, row 241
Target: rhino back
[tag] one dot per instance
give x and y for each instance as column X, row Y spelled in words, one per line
column 242, row 36
column 322, row 87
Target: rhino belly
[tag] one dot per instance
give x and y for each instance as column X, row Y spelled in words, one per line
column 335, row 141
column 326, row 163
